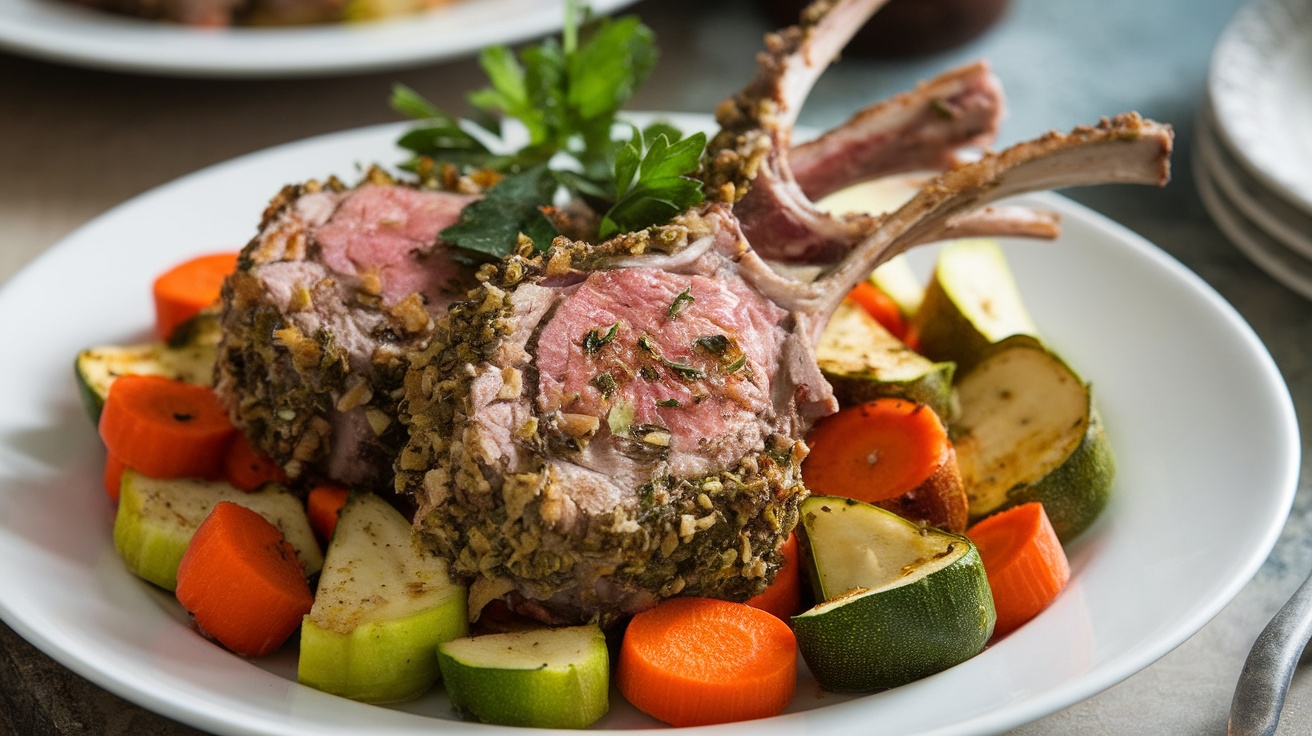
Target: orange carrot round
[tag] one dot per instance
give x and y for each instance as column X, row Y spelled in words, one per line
column 113, row 478
column 697, row 661
column 323, row 505
column 784, row 594
column 880, row 306
column 1024, row 561
column 242, row 582
column 187, row 288
column 247, row 468
column 875, row 451
column 165, row 428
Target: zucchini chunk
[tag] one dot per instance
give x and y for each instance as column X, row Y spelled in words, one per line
column 901, row 601
column 1028, row 432
column 863, row 361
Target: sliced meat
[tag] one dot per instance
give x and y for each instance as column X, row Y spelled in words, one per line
column 337, row 288
column 552, row 467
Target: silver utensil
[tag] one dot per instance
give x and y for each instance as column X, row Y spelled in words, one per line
column 1260, row 694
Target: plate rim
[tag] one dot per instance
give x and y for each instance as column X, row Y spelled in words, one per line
column 1104, row 676
column 62, row 32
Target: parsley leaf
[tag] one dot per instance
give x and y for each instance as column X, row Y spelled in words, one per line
column 652, row 183
column 566, row 93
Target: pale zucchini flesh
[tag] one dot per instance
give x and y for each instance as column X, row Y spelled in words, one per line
column 156, row 519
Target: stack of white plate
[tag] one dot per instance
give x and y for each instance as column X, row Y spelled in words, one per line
column 1253, row 153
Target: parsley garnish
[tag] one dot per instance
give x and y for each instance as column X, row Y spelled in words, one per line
column 592, row 342
column 713, row 344
column 670, row 403
column 605, row 383
column 566, row 93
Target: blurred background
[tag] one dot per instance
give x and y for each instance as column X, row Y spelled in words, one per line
column 76, row 141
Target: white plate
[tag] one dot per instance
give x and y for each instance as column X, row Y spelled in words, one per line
column 59, row 30
column 1260, row 82
column 1268, row 253
column 1285, row 223
column 1201, row 420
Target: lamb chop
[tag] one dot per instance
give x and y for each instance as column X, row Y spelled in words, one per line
column 603, row 426
column 319, row 318
column 338, row 287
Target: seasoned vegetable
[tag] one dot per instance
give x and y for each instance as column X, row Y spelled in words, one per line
column 783, row 597
column 1025, row 562
column 183, row 291
column 382, row 607
column 166, row 428
column 697, row 661
column 901, row 602
column 543, row 678
column 891, row 453
column 1028, row 432
column 242, row 582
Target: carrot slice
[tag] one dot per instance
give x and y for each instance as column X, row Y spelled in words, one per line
column 783, row 597
column 165, row 428
column 880, row 306
column 323, row 505
column 1024, row 561
column 113, row 475
column 242, row 582
column 697, row 661
column 247, row 468
column 187, row 288
column 876, row 451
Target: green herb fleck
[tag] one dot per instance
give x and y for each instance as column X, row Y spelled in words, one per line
column 605, row 383
column 592, row 342
column 649, row 374
column 737, row 364
column 714, row 344
column 620, row 417
column 689, row 372
column 942, row 110
column 675, row 403
column 684, row 298
column 645, row 342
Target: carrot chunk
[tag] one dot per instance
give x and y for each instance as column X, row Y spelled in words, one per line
column 113, row 475
column 880, row 306
column 322, row 505
column 242, row 582
column 247, row 468
column 1024, row 561
column 184, row 290
column 876, row 451
column 783, row 597
column 697, row 661
column 165, row 428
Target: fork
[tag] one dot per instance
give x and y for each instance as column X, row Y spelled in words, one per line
column 1260, row 694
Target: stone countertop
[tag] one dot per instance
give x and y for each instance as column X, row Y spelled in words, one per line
column 76, row 142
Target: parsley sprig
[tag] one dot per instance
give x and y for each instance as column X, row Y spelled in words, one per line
column 567, row 94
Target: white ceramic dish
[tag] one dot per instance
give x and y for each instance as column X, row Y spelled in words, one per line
column 1188, row 526
column 1260, row 82
column 59, row 30
column 1289, row 268
column 1285, row 223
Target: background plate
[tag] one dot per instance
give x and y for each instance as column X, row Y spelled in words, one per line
column 1200, row 418
column 59, row 30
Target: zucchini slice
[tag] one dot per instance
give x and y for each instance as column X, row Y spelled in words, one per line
column 188, row 357
column 971, row 302
column 1028, row 432
column 863, row 361
column 901, row 601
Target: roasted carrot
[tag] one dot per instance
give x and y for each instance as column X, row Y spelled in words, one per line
column 165, row 428
column 184, row 290
column 323, row 505
column 875, row 451
column 880, row 306
column 113, row 475
column 248, row 468
column 242, row 582
column 1024, row 561
column 784, row 594
column 697, row 661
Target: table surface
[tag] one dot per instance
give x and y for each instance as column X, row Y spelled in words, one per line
column 75, row 142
